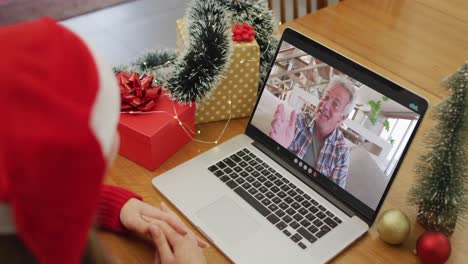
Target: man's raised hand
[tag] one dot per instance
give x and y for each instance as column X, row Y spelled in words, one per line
column 282, row 130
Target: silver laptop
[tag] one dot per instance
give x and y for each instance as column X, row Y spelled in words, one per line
column 267, row 196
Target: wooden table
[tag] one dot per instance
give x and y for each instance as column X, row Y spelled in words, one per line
column 415, row 43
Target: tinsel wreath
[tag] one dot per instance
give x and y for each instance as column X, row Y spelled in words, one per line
column 192, row 75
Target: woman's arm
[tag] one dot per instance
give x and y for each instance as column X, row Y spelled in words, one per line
column 122, row 211
column 110, row 202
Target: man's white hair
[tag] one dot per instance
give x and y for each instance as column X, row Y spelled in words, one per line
column 339, row 80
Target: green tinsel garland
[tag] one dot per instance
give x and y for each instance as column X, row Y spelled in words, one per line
column 149, row 62
column 153, row 59
column 191, row 76
column 207, row 56
column 257, row 14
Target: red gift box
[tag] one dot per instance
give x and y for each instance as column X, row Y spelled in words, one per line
column 151, row 138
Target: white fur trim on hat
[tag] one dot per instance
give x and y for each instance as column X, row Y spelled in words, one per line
column 106, row 108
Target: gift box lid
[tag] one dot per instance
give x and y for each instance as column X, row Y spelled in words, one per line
column 143, row 126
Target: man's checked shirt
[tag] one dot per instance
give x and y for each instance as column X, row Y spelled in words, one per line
column 333, row 160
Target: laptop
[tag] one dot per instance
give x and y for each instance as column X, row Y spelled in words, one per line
column 259, row 200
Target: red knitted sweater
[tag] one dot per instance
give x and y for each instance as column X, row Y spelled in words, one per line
column 111, row 200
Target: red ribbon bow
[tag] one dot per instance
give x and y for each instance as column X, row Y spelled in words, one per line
column 137, row 93
column 243, row 32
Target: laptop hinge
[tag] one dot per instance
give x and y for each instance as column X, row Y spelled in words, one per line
column 315, row 186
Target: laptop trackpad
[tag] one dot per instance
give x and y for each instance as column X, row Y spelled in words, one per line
column 227, row 220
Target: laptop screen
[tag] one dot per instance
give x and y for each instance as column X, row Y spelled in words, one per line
column 340, row 124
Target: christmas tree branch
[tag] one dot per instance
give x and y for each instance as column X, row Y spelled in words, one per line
column 441, row 192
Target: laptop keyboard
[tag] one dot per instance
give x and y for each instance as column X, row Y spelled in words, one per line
column 296, row 214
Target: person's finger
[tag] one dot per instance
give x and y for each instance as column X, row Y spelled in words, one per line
column 167, row 219
column 174, row 217
column 138, row 224
column 292, row 118
column 163, row 206
column 157, row 255
column 165, row 253
column 172, row 214
column 148, row 211
column 172, row 236
column 201, row 243
column 275, row 125
column 278, row 108
column 278, row 120
column 279, row 112
column 272, row 133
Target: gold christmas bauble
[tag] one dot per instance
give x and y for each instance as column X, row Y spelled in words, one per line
column 393, row 226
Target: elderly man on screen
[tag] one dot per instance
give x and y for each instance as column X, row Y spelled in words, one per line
column 316, row 138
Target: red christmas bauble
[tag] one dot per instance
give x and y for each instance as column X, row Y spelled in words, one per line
column 433, row 247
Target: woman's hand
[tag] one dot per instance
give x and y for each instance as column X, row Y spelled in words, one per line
column 174, row 248
column 137, row 216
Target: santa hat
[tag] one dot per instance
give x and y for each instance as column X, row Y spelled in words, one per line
column 60, row 107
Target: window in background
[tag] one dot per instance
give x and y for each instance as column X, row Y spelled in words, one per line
column 398, row 136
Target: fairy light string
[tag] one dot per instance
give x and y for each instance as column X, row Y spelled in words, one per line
column 261, row 55
column 186, row 128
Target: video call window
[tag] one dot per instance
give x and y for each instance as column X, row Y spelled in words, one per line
column 356, row 144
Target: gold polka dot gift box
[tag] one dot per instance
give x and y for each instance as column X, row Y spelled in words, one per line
column 236, row 93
